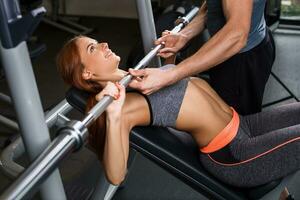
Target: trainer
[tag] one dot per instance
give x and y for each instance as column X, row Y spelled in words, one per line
column 239, row 55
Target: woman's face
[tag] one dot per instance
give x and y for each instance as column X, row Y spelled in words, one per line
column 98, row 60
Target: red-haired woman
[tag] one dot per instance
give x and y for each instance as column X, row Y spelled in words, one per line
column 244, row 151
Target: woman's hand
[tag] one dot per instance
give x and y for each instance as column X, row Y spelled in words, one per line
column 173, row 43
column 117, row 91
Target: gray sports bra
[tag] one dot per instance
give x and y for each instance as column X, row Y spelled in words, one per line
column 165, row 104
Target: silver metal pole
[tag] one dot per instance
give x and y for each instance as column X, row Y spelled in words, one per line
column 71, row 138
column 147, row 27
column 21, row 80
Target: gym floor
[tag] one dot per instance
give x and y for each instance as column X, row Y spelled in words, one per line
column 146, row 180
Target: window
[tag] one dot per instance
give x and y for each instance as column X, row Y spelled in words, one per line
column 290, row 9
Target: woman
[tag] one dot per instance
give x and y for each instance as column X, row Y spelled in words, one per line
column 241, row 151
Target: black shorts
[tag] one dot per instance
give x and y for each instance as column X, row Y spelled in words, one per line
column 241, row 80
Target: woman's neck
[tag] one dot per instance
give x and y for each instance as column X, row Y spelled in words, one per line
column 116, row 76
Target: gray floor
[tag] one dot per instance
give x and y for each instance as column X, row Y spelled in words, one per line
column 146, row 180
column 286, row 66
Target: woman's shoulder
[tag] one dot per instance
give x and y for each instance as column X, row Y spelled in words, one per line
column 134, row 100
column 136, row 109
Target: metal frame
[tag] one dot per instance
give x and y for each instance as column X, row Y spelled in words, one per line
column 19, row 74
column 72, row 136
column 4, row 120
column 55, row 117
column 272, row 13
column 273, row 23
column 16, row 148
column 291, row 94
column 147, row 27
column 9, row 123
column 21, row 81
column 63, row 23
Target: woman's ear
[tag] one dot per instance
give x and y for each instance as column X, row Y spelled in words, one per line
column 86, row 75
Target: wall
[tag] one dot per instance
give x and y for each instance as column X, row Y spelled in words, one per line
column 103, row 8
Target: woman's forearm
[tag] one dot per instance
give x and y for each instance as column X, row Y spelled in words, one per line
column 114, row 157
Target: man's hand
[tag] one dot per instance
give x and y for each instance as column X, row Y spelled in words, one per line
column 151, row 79
column 173, row 42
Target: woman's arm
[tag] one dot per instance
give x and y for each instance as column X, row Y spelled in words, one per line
column 135, row 112
column 116, row 145
column 116, row 149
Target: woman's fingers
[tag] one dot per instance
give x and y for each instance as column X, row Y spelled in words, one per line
column 110, row 90
column 122, row 91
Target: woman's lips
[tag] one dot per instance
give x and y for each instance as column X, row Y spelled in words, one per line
column 108, row 54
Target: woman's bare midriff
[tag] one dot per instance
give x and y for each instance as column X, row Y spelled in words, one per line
column 203, row 113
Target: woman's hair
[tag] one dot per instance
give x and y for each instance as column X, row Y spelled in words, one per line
column 97, row 131
column 70, row 68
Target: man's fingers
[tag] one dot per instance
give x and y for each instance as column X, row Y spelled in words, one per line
column 157, row 42
column 141, row 72
column 167, row 50
column 135, row 84
column 148, row 92
column 165, row 55
column 137, row 78
column 166, row 32
column 162, row 39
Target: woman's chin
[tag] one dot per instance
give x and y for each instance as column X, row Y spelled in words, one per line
column 118, row 58
column 117, row 61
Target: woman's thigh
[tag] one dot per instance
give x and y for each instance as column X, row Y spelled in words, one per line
column 273, row 119
column 254, row 161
